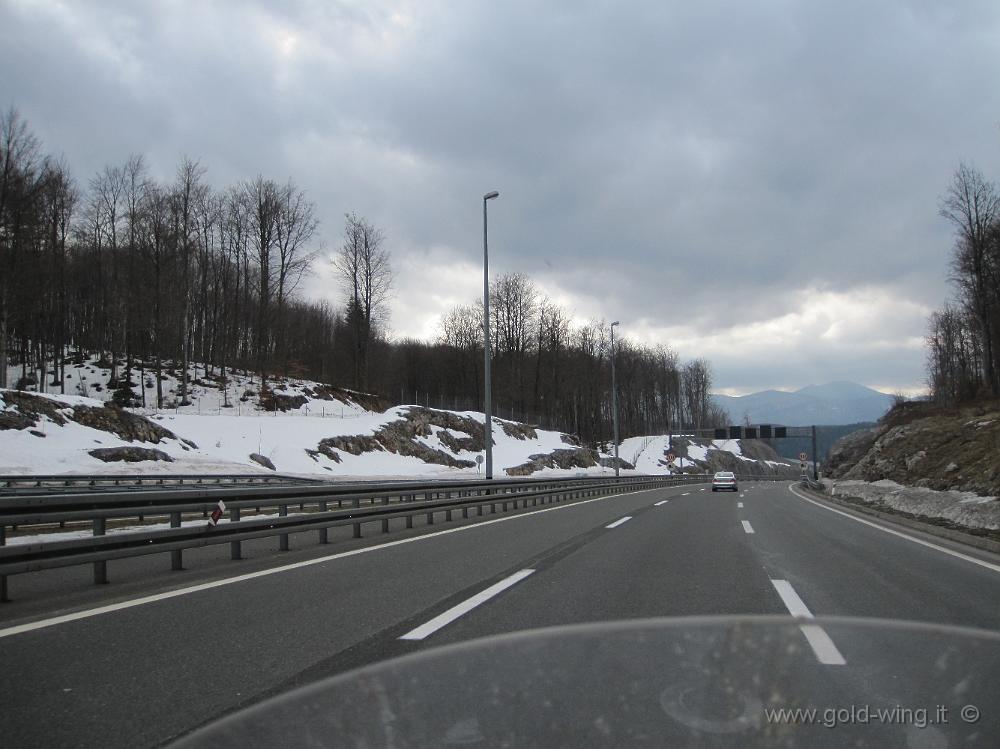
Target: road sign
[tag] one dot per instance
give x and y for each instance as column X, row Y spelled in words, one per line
column 803, row 456
column 479, row 459
column 671, row 457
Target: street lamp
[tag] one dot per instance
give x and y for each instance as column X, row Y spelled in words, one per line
column 614, row 397
column 486, row 341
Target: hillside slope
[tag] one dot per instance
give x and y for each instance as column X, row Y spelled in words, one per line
column 924, row 445
column 50, row 434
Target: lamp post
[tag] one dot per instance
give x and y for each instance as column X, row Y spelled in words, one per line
column 614, row 397
column 487, row 389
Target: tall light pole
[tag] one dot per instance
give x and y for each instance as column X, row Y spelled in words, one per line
column 614, row 397
column 488, row 392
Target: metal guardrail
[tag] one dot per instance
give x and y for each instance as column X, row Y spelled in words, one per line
column 364, row 504
column 51, row 481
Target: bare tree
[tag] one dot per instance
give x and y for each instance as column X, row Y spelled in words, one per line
column 188, row 193
column 366, row 274
column 21, row 166
column 294, row 229
column 972, row 204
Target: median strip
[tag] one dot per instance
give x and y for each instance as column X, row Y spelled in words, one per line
column 619, row 522
column 826, row 652
column 446, row 618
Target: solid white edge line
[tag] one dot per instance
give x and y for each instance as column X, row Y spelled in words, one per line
column 746, row 526
column 87, row 613
column 661, row 502
column 447, row 617
column 619, row 522
column 822, row 646
column 928, row 544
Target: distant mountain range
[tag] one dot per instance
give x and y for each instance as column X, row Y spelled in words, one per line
column 832, row 403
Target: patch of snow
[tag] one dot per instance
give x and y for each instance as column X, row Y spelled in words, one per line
column 963, row 508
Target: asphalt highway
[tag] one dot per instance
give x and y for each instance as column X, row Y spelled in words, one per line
column 163, row 658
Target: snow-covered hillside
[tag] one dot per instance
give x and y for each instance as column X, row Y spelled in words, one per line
column 300, row 427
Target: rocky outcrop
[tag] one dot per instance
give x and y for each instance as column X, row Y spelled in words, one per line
column 353, row 444
column 262, row 460
column 110, row 418
column 922, row 444
column 129, row 454
column 566, row 459
column 24, row 409
column 403, row 437
column 518, row 431
column 128, row 426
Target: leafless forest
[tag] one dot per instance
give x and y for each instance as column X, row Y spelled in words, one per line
column 157, row 275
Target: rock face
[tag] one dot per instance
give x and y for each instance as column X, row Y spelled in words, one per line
column 401, row 437
column 925, row 445
column 110, row 418
column 580, row 457
column 128, row 426
column 129, row 454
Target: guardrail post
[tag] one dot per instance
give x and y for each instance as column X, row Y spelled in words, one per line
column 465, row 512
column 409, row 521
column 447, row 515
column 234, row 546
column 357, row 530
column 322, row 531
column 176, row 555
column 385, row 521
column 283, row 539
column 430, row 518
column 100, row 568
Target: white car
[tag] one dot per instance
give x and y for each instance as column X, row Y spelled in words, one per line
column 724, row 480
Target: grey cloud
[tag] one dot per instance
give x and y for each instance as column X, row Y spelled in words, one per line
column 657, row 162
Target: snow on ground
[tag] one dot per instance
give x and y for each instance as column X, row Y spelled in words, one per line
column 962, row 508
column 90, row 380
column 221, row 438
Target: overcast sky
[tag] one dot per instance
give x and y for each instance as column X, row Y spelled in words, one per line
column 753, row 182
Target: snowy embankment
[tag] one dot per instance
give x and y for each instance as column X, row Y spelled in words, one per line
column 299, row 427
column 961, row 508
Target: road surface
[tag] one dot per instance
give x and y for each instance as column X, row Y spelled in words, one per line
column 172, row 653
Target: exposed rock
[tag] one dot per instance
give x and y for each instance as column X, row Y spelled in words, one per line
column 262, row 460
column 848, row 450
column 609, row 462
column 129, row 454
column 422, row 419
column 457, row 444
column 30, row 408
column 565, row 458
column 36, row 433
column 272, row 401
column 570, row 439
column 353, row 444
column 398, row 437
column 518, row 431
column 923, row 444
column 126, row 425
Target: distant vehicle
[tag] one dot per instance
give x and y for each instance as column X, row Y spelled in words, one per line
column 724, row 480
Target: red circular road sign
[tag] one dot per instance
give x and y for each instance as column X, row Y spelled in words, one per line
column 803, row 456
